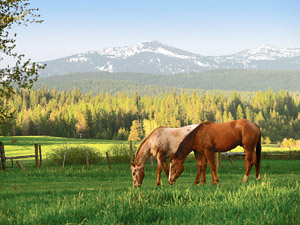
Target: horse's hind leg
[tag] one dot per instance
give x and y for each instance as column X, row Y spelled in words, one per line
column 250, row 159
column 255, row 163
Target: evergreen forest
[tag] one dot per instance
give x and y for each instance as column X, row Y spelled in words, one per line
column 116, row 116
column 150, row 84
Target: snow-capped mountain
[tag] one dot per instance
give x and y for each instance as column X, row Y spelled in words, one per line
column 156, row 58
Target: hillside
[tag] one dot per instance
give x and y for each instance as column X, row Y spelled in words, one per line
column 228, row 80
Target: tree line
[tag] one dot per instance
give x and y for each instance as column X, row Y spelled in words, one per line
column 122, row 115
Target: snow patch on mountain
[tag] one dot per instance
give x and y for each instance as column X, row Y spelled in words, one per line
column 145, row 46
column 268, row 52
column 78, row 59
column 106, row 68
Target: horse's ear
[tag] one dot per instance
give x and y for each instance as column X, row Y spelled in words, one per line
column 172, row 156
column 132, row 164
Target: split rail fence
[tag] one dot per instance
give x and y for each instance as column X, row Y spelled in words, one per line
column 37, row 156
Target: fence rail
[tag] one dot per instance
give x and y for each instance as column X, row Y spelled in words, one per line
column 38, row 152
column 20, row 157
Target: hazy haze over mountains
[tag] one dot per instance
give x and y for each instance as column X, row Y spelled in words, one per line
column 153, row 57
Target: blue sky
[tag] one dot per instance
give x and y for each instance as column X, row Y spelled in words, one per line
column 211, row 27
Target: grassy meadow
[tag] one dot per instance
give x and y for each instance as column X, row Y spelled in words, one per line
column 98, row 195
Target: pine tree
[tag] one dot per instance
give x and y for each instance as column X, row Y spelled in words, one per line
column 135, row 131
column 239, row 112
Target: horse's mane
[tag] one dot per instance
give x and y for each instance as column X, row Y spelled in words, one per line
column 146, row 138
column 189, row 137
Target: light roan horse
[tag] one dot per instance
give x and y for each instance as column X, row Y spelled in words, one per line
column 161, row 143
column 210, row 137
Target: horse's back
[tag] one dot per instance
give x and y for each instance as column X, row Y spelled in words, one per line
column 226, row 136
column 166, row 140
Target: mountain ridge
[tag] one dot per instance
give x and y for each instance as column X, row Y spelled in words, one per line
column 154, row 57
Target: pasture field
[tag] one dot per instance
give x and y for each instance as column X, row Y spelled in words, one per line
column 98, row 195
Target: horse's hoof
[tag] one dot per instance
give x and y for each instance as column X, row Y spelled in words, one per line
column 202, row 183
column 259, row 177
column 156, row 185
column 245, row 179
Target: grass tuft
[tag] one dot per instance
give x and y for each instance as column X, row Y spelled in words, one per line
column 74, row 155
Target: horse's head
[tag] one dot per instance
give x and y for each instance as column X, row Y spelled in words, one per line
column 176, row 168
column 137, row 173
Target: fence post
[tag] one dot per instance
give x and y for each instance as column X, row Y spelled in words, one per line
column 36, row 149
column 217, row 160
column 231, row 160
column 2, row 153
column 151, row 161
column 40, row 153
column 131, row 152
column 20, row 165
column 108, row 161
column 87, row 160
column 65, row 155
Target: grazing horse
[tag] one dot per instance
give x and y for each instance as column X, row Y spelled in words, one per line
column 161, row 143
column 210, row 137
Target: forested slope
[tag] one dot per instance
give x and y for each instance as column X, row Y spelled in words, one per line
column 238, row 80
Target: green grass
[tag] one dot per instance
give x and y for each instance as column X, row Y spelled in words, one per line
column 97, row 195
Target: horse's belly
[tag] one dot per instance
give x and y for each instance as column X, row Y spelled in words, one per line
column 224, row 148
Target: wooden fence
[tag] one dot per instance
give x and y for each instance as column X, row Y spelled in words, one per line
column 230, row 155
column 37, row 156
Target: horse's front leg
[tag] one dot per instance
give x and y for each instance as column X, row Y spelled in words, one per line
column 166, row 168
column 159, row 169
column 198, row 161
column 209, row 153
column 162, row 163
column 203, row 169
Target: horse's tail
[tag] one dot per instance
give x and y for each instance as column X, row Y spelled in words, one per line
column 258, row 157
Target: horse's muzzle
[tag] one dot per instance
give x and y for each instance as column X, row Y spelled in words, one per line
column 171, row 182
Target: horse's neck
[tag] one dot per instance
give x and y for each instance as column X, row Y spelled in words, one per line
column 143, row 155
column 186, row 146
column 185, row 152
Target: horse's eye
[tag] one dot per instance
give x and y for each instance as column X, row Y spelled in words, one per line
column 133, row 174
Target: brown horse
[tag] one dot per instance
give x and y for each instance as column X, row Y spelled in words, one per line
column 210, row 137
column 161, row 143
